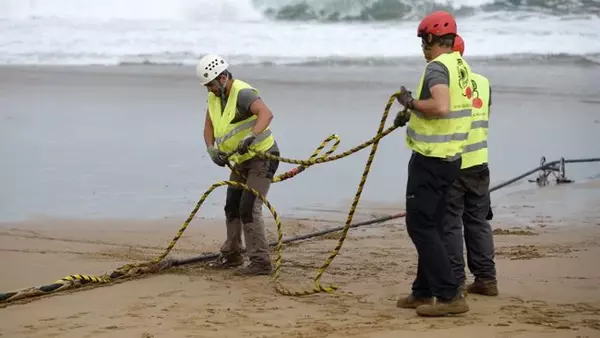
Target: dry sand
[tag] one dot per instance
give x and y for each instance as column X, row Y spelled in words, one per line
column 549, row 283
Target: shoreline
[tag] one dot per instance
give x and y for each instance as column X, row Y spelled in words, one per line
column 514, row 59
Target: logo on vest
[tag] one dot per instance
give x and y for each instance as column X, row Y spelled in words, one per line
column 463, row 78
column 477, row 101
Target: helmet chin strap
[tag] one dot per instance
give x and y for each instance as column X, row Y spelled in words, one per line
column 222, row 89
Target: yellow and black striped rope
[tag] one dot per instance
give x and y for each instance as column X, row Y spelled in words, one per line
column 85, row 279
column 315, row 160
column 295, row 171
column 320, row 271
column 159, row 262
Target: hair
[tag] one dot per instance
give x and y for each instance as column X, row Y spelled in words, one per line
column 226, row 73
column 447, row 40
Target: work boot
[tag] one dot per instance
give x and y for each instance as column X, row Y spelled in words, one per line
column 256, row 268
column 412, row 302
column 456, row 305
column 484, row 287
column 227, row 261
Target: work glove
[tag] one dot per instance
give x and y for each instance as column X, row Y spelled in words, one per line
column 217, row 156
column 490, row 214
column 402, row 118
column 405, row 98
column 245, row 143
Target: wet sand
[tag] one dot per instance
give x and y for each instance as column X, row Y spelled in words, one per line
column 126, row 142
column 549, row 286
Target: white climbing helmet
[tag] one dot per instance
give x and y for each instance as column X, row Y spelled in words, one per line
column 209, row 67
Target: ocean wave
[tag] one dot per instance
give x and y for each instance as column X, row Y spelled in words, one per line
column 285, row 10
column 93, row 32
column 394, row 10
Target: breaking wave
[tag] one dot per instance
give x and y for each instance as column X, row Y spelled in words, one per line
column 288, row 10
column 385, row 10
column 298, row 32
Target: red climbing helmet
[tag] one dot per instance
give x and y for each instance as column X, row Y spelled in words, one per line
column 438, row 23
column 459, row 45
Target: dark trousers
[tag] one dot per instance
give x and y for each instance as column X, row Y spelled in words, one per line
column 243, row 210
column 428, row 181
column 468, row 207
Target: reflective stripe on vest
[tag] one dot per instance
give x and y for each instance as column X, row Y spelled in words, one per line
column 437, row 138
column 244, row 126
column 228, row 135
column 444, row 136
column 475, row 151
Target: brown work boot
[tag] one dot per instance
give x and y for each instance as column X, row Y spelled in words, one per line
column 484, row 287
column 438, row 308
column 412, row 302
column 255, row 269
column 227, row 261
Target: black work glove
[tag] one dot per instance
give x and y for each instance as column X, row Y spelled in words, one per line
column 405, row 98
column 245, row 143
column 490, row 215
column 217, row 156
column 402, row 118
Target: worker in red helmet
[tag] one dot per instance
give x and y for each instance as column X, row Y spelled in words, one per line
column 468, row 202
column 439, row 120
column 459, row 45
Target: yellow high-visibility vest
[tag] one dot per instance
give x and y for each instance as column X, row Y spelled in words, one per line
column 475, row 151
column 444, row 136
column 228, row 135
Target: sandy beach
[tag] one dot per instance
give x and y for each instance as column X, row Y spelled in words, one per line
column 548, row 285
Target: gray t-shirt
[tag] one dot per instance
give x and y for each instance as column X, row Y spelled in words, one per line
column 435, row 73
column 245, row 98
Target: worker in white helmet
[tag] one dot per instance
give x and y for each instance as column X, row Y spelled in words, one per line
column 237, row 120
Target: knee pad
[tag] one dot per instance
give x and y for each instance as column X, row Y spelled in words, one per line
column 232, row 203
column 247, row 207
column 490, row 214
